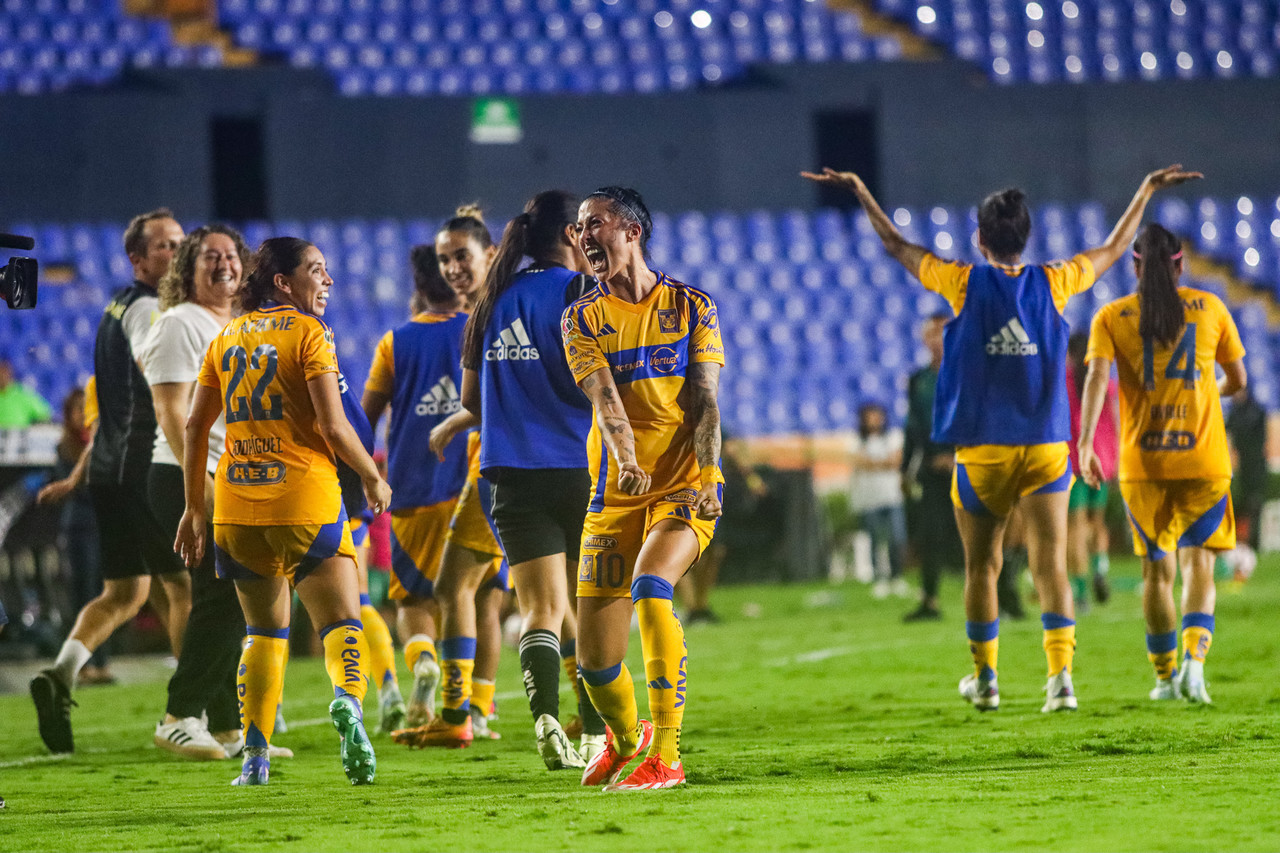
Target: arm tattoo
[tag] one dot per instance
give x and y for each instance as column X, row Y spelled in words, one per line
column 704, row 378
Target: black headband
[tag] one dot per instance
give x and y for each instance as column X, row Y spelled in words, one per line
column 612, row 197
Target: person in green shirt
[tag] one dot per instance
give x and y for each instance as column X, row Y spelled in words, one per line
column 19, row 405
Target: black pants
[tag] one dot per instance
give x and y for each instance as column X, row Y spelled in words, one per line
column 936, row 537
column 205, row 681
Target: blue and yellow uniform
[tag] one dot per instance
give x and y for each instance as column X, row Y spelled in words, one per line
column 1001, row 396
column 417, row 366
column 1175, row 471
column 359, row 516
column 277, row 503
column 647, row 348
column 472, row 524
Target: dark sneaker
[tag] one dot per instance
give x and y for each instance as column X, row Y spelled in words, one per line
column 923, row 613
column 53, row 711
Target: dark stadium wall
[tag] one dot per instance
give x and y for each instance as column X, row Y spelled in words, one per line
column 945, row 135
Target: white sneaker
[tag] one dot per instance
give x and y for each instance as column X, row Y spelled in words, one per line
column 1191, row 682
column 281, row 726
column 235, row 749
column 480, row 725
column 189, row 738
column 880, row 590
column 422, row 699
column 1165, row 689
column 392, row 712
column 901, row 589
column 1061, row 694
column 981, row 693
column 556, row 751
column 591, row 746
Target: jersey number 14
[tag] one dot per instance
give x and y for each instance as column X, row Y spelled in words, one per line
column 240, row 408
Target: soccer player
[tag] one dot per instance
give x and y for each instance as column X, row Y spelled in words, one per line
column 647, row 352
column 1087, row 537
column 472, row 579
column 416, row 369
column 197, row 296
column 533, row 431
column 278, row 514
column 1175, row 472
column 133, row 544
column 1002, row 400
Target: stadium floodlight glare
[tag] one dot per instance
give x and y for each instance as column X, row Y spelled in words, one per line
column 1001, row 66
column 1070, row 10
column 926, row 15
column 1035, row 38
column 1184, row 60
column 1224, row 59
column 1074, row 65
column 664, row 19
column 1243, row 230
column 701, row 19
column 1209, row 231
column 1275, row 228
column 1034, row 11
column 1178, row 8
column 902, row 217
column 1244, row 205
column 1251, row 257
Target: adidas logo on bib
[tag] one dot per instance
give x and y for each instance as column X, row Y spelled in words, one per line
column 1012, row 339
column 513, row 344
column 442, row 399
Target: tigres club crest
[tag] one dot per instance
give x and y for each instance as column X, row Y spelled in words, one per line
column 668, row 320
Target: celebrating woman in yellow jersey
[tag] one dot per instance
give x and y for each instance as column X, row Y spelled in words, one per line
column 647, row 352
column 278, row 512
column 1175, row 473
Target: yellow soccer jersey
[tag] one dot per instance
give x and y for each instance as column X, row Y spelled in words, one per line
column 1170, row 415
column 648, row 347
column 277, row 468
column 950, row 279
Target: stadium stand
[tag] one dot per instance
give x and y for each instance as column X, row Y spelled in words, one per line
column 418, row 47
column 1045, row 41
column 54, row 45
column 820, row 319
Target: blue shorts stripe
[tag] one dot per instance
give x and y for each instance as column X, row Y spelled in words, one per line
column 968, row 497
column 227, row 568
column 1153, row 553
column 1160, row 644
column 1061, row 484
column 408, row 573
column 359, row 533
column 274, row 633
column 982, row 632
column 651, row 586
column 1205, row 526
column 601, row 677
column 602, row 480
column 327, row 542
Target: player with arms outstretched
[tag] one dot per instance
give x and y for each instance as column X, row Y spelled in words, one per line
column 278, row 513
column 1175, row 471
column 647, row 352
column 1002, row 401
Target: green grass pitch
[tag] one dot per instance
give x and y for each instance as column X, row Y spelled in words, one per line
column 820, row 722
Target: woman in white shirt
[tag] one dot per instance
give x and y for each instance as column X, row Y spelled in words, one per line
column 196, row 300
column 876, row 495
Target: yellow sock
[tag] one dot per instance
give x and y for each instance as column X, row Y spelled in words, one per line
column 666, row 662
column 482, row 690
column 1162, row 651
column 457, row 662
column 984, row 646
column 613, row 694
column 346, row 656
column 382, row 653
column 1059, row 641
column 260, row 682
column 418, row 645
column 1197, row 635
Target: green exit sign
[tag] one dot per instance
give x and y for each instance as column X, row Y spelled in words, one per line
column 495, row 121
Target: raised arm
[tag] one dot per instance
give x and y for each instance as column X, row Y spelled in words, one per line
column 1126, row 228
column 703, row 378
column 1091, row 400
column 615, row 428
column 332, row 423
column 906, row 253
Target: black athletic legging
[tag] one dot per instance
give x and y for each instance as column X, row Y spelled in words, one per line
column 205, row 681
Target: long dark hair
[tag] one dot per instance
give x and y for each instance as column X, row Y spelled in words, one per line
column 1077, row 349
column 534, row 233
column 1161, row 314
column 429, row 287
column 1004, row 223
column 628, row 205
column 276, row 256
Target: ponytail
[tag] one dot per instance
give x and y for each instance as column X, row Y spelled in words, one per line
column 1161, row 314
column 534, row 233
